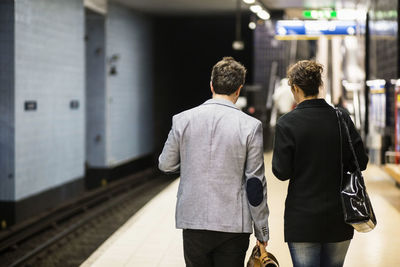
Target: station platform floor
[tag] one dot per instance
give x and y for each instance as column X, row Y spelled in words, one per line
column 149, row 238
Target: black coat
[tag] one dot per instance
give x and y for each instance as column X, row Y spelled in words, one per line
column 307, row 151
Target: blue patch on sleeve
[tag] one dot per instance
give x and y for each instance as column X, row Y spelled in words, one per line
column 254, row 189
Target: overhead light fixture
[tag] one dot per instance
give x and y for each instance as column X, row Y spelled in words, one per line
column 255, row 8
column 238, row 45
column 263, row 15
column 258, row 8
column 252, row 25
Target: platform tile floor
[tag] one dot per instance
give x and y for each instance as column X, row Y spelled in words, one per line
column 150, row 239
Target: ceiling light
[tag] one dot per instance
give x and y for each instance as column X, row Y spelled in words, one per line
column 249, row 2
column 238, row 45
column 262, row 14
column 255, row 8
column 252, row 25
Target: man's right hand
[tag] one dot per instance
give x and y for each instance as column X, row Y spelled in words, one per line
column 259, row 243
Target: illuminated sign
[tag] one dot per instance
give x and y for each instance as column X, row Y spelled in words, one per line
column 340, row 14
column 319, row 14
column 376, row 86
column 285, row 29
column 383, row 28
column 389, row 14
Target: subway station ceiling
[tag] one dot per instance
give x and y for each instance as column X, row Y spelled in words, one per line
column 218, row 6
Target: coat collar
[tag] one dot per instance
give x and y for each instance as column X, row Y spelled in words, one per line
column 222, row 102
column 319, row 102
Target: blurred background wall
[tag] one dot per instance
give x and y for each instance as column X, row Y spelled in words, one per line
column 186, row 48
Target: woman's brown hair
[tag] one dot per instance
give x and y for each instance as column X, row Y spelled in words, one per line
column 306, row 74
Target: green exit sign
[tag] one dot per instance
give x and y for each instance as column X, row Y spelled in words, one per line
column 319, row 14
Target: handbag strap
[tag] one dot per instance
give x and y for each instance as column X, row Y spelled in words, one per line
column 340, row 119
column 341, row 146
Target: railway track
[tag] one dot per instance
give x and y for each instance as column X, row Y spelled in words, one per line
column 68, row 235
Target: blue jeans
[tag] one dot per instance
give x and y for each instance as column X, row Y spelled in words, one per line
column 318, row 254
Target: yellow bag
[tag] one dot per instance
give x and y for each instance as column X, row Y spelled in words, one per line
column 261, row 258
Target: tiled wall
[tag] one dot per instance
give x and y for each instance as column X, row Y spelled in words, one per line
column 7, row 179
column 49, row 69
column 95, row 90
column 45, row 41
column 130, row 90
column 383, row 50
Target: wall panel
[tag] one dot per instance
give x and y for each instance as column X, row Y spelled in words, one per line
column 49, row 69
column 130, row 90
column 7, row 179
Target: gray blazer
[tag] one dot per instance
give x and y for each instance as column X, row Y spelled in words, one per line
column 218, row 150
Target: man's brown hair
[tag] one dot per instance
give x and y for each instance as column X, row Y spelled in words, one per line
column 227, row 76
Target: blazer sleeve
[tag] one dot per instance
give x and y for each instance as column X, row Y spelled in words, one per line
column 256, row 185
column 282, row 159
column 169, row 160
column 358, row 144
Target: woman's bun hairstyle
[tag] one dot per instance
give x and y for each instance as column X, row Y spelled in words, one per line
column 307, row 75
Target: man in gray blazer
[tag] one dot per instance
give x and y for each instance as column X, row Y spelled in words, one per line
column 218, row 151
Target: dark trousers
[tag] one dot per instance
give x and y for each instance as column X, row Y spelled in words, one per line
column 209, row 248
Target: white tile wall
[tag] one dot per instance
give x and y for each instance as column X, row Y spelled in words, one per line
column 49, row 55
column 95, row 90
column 49, row 68
column 130, row 94
column 7, row 191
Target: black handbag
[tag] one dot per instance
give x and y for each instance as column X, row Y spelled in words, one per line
column 356, row 204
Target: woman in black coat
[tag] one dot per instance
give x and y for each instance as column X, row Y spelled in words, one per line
column 307, row 153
